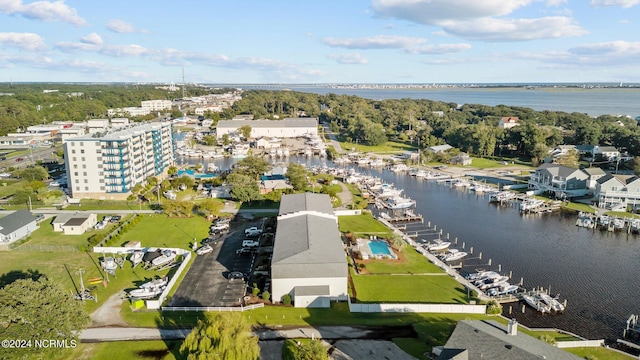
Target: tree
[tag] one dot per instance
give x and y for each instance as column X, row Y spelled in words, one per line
column 245, row 131
column 243, row 187
column 311, row 350
column 252, row 166
column 224, row 335
column 34, row 173
column 34, row 310
column 209, row 207
column 298, row 176
column 397, row 241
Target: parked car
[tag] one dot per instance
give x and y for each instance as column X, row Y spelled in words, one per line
column 19, row 159
column 204, row 250
column 250, row 243
column 115, row 218
column 235, row 275
column 223, row 226
column 245, row 251
column 252, row 231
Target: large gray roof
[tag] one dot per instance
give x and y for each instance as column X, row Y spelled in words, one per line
column 305, row 202
column 263, row 123
column 308, row 246
column 485, row 339
column 15, row 221
column 557, row 170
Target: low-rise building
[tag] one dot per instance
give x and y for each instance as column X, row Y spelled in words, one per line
column 309, row 262
column 617, row 192
column 561, row 180
column 461, row 159
column 440, row 148
column 286, row 128
column 17, row 225
column 507, row 122
column 74, row 224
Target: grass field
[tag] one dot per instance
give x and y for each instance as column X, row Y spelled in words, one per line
column 157, row 230
column 157, row 349
column 409, row 262
column 362, row 225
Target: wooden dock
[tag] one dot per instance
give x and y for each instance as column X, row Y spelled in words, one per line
column 412, row 218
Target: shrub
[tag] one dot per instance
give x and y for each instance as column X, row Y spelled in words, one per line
column 286, row 299
column 548, row 339
column 255, row 290
column 494, row 308
column 266, row 296
column 362, row 265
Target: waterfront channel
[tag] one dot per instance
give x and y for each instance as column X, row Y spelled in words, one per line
column 596, row 271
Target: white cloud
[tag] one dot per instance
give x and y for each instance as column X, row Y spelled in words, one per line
column 76, row 46
column 122, row 27
column 26, row 41
column 375, row 42
column 622, row 3
column 484, row 20
column 624, row 21
column 490, row 29
column 430, row 12
column 613, row 53
column 125, row 50
column 352, row 58
column 92, row 38
column 440, row 49
column 43, row 10
column 617, row 48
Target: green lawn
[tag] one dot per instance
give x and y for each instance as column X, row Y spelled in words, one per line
column 580, row 207
column 599, row 353
column 162, row 231
column 156, row 349
column 87, row 204
column 429, row 289
column 363, row 225
column 45, row 236
column 390, row 147
column 414, row 263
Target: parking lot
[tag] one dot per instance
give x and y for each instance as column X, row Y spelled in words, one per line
column 207, row 282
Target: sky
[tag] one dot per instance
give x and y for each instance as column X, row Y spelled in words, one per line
column 313, row 41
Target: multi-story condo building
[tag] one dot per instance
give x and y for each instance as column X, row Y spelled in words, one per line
column 107, row 165
column 156, row 105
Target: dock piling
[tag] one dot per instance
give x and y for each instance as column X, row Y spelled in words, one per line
column 499, row 267
column 463, row 244
column 480, row 256
column 471, row 250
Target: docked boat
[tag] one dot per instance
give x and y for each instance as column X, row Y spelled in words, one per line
column 504, row 289
column 388, row 192
column 211, row 168
column 439, row 246
column 400, row 202
column 148, row 292
column 136, row 257
column 167, row 257
column 480, row 275
column 530, row 204
column 285, row 152
column 453, row 255
column 493, row 282
column 502, row 196
column 553, row 303
column 536, row 303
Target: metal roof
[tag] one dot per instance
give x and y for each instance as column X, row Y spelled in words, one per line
column 15, row 221
column 263, row 123
column 305, row 202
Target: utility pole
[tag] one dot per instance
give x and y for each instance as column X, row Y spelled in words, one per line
column 80, row 272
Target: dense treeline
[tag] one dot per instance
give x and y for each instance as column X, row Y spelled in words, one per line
column 471, row 128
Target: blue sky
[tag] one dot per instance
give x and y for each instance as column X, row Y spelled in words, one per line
column 312, row 41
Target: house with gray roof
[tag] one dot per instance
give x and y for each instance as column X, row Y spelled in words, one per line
column 74, row 224
column 17, row 225
column 309, row 262
column 617, row 192
column 488, row 339
column 563, row 181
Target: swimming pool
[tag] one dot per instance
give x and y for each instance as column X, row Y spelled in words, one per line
column 379, row 247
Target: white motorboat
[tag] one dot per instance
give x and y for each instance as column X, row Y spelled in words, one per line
column 167, row 257
column 136, row 257
column 481, row 275
column 109, row 264
column 285, row 152
column 552, row 302
column 536, row 303
column 438, row 246
column 530, row 204
column 399, row 202
column 454, row 254
column 505, row 289
column 149, row 289
column 493, row 282
column 502, row 196
column 211, row 167
column 389, row 191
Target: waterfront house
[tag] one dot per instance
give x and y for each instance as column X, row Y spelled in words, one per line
column 594, row 173
column 17, row 225
column 617, row 192
column 560, row 180
column 267, row 186
column 461, row 159
column 507, row 122
column 489, row 339
column 590, row 152
column 309, row 262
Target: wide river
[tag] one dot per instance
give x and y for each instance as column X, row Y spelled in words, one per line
column 597, row 272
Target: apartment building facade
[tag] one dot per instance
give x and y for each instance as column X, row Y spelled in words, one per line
column 107, row 165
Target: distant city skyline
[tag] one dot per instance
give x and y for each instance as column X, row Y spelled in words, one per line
column 306, row 42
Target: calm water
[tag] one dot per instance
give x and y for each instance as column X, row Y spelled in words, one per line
column 602, row 101
column 597, row 272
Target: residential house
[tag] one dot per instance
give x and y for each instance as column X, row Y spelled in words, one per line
column 561, row 180
column 507, row 122
column 590, row 152
column 440, row 148
column 594, row 174
column 309, row 262
column 617, row 192
column 559, row 151
column 267, row 186
column 74, row 224
column 489, row 339
column 17, row 225
column 461, row 159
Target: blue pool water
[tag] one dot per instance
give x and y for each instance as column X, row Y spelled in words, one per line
column 192, row 173
column 379, row 247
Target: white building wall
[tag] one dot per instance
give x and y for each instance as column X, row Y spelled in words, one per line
column 156, row 105
column 337, row 286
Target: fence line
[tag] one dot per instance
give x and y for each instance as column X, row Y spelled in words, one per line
column 212, row 308
column 581, row 343
column 47, row 248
